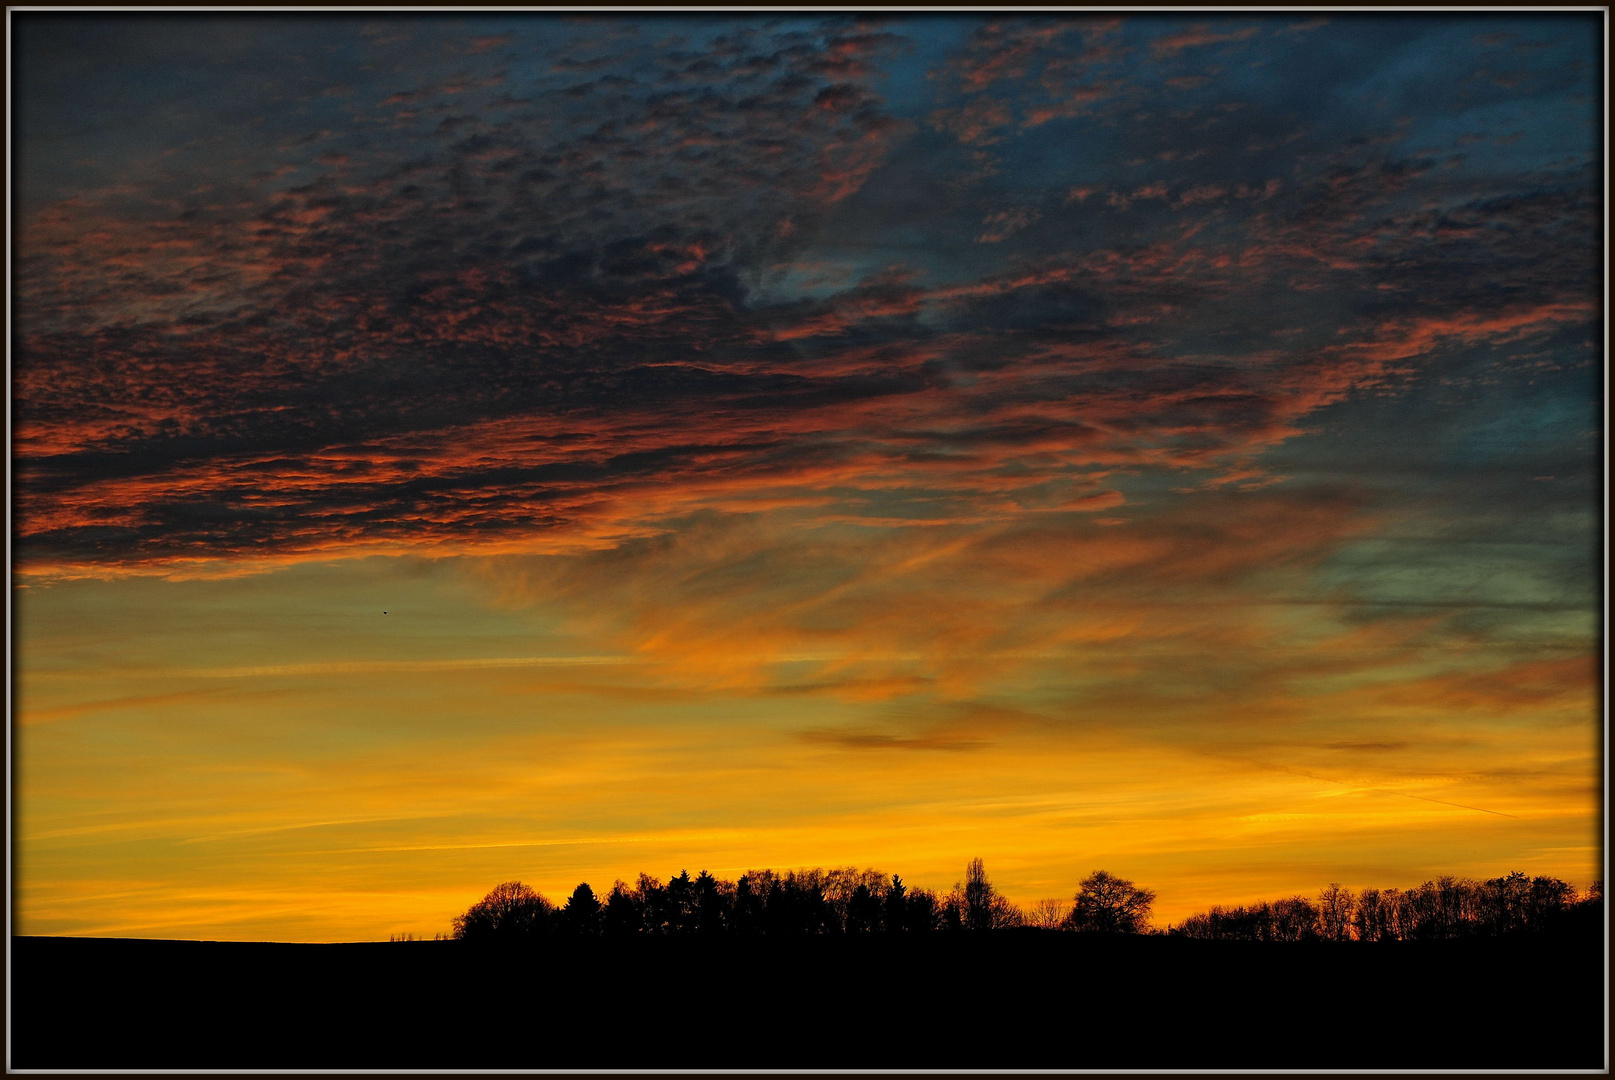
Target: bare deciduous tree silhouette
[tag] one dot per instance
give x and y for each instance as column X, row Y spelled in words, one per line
column 1047, row 914
column 1442, row 909
column 510, row 911
column 1112, row 905
column 1335, row 908
column 1372, row 919
column 980, row 905
column 978, row 897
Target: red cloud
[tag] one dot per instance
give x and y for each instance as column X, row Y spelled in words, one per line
column 1198, row 35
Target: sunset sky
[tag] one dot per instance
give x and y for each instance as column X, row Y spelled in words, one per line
column 450, row 449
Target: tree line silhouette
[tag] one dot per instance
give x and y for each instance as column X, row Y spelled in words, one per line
column 842, row 900
column 846, row 900
column 1442, row 909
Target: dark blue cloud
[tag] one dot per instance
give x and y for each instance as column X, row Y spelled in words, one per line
column 292, row 283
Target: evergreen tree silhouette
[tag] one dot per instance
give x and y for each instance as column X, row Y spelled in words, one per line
column 777, row 915
column 709, row 909
column 680, row 904
column 582, row 913
column 746, row 914
column 894, row 906
column 865, row 911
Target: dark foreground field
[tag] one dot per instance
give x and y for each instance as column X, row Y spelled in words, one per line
column 1023, row 999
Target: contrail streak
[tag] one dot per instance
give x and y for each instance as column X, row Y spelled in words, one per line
column 1443, row 802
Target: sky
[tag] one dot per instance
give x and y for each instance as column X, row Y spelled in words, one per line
column 453, row 449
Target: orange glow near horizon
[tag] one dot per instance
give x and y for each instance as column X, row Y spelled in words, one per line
column 364, row 776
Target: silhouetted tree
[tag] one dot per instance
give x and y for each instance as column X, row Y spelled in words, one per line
column 846, row 899
column 510, row 912
column 1549, row 899
column 709, row 906
column 1394, row 903
column 582, row 914
column 1294, row 919
column 1111, row 905
column 796, row 904
column 657, row 911
column 978, row 897
column 679, row 904
column 1241, row 923
column 1336, row 905
column 747, row 913
column 1504, row 903
column 1447, row 907
column 1441, row 909
column 776, row 914
column 1200, row 925
column 623, row 914
column 923, row 912
column 979, row 904
column 1206, row 925
column 864, row 911
column 1460, row 903
column 895, row 906
column 1261, row 921
column 814, row 911
column 1254, row 923
column 1047, row 914
column 1421, row 913
column 840, row 884
column 1372, row 918
column 1006, row 914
